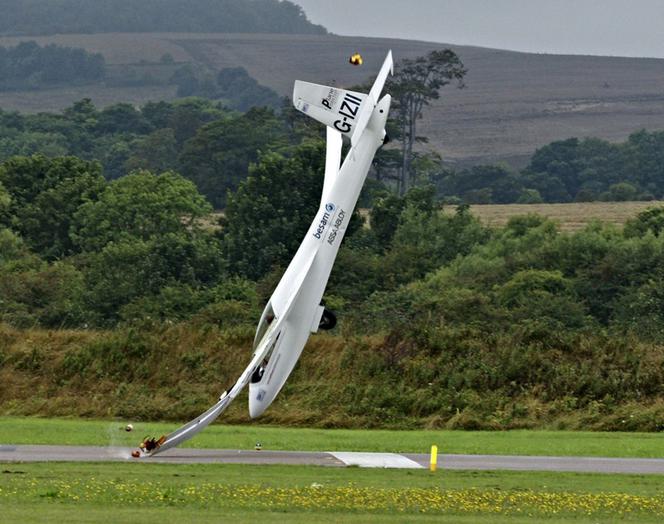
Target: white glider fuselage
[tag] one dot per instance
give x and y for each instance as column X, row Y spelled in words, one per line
column 294, row 310
column 316, row 257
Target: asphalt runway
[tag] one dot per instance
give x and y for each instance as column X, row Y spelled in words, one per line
column 10, row 453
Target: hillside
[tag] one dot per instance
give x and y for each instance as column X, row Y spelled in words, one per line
column 513, row 102
column 46, row 17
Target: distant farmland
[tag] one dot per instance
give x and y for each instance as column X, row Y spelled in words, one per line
column 513, row 102
column 570, row 217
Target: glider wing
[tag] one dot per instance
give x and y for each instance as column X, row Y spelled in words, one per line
column 262, row 350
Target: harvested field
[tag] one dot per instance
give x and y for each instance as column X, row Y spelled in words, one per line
column 571, row 217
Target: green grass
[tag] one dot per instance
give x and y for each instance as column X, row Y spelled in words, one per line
column 25, row 430
column 148, row 492
column 140, row 492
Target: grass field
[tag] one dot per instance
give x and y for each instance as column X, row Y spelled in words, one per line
column 138, row 492
column 570, row 217
column 24, row 430
column 145, row 492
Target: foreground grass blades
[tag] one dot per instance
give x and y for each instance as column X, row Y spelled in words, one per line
column 48, row 492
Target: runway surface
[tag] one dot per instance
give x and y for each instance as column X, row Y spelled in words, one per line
column 9, row 453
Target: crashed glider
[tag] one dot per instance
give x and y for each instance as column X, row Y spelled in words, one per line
column 294, row 311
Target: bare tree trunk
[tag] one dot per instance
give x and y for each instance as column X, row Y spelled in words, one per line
column 408, row 150
column 402, row 183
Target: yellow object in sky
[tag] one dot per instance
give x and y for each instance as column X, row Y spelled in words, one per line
column 356, row 59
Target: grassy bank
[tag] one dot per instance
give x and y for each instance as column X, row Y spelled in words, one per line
column 23, row 430
column 195, row 493
column 354, row 382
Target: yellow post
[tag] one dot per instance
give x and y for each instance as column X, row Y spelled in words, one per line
column 434, row 458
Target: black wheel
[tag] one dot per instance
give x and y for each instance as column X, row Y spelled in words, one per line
column 328, row 320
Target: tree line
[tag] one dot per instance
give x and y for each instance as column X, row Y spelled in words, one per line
column 29, row 66
column 213, row 146
column 232, row 85
column 39, row 17
column 114, row 247
column 572, row 170
column 205, row 141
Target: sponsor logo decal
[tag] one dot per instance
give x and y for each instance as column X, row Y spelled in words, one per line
column 330, row 99
column 322, row 225
column 324, row 220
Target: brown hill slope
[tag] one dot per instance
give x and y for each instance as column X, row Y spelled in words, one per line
column 513, row 102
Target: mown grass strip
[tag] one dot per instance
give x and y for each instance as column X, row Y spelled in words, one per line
column 26, row 430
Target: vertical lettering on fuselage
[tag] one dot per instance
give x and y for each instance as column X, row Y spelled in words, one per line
column 336, row 226
column 348, row 111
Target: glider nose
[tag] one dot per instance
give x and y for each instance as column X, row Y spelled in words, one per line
column 257, row 404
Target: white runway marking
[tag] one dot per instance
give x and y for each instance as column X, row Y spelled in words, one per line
column 375, row 460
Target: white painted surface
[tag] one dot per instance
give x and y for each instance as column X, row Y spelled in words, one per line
column 375, row 460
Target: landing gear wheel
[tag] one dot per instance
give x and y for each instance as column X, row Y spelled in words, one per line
column 328, row 320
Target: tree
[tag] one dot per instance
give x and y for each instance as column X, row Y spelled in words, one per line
column 620, row 192
column 218, row 157
column 574, row 169
column 83, row 112
column 645, row 161
column 269, row 214
column 159, row 114
column 133, row 270
column 4, row 202
column 157, row 152
column 139, row 206
column 648, row 221
column 186, row 79
column 483, row 184
column 385, row 215
column 243, row 91
column 35, row 17
column 416, row 83
column 426, row 238
column 30, row 66
column 122, row 118
column 34, row 292
column 46, row 193
column 188, row 115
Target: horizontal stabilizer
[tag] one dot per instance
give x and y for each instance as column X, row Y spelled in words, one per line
column 346, row 111
column 336, row 108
